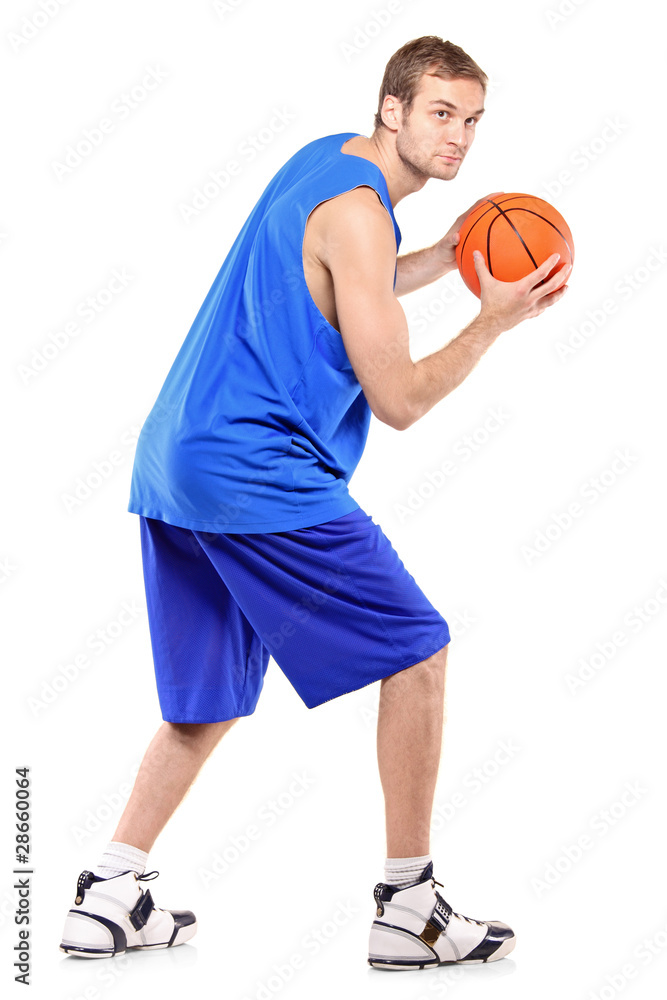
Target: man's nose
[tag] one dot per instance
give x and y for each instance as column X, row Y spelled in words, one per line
column 457, row 134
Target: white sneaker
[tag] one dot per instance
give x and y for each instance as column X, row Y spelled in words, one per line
column 112, row 914
column 416, row 929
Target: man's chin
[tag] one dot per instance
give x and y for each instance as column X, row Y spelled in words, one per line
column 447, row 171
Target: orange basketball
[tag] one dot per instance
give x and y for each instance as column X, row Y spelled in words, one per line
column 515, row 233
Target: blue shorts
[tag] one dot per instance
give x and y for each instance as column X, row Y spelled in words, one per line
column 332, row 604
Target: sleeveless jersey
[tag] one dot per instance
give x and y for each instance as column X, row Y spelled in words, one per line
column 261, row 420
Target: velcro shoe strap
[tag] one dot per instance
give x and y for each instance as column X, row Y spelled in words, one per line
column 142, row 911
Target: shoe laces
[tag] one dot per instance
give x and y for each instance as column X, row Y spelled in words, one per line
column 448, row 908
column 147, row 877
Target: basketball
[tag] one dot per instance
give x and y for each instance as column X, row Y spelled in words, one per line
column 515, row 234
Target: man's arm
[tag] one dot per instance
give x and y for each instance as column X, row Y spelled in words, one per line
column 421, row 267
column 505, row 304
column 414, row 270
column 359, row 249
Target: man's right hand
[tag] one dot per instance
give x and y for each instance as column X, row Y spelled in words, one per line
column 507, row 303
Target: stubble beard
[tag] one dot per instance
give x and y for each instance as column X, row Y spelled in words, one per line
column 417, row 164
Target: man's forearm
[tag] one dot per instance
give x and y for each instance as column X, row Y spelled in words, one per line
column 414, row 270
column 435, row 376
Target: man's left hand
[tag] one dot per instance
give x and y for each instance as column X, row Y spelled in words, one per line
column 446, row 247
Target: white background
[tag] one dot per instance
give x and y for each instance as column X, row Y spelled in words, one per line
column 526, row 619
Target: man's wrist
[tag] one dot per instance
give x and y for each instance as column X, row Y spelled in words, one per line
column 489, row 324
column 441, row 257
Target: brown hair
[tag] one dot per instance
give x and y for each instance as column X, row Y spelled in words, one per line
column 428, row 54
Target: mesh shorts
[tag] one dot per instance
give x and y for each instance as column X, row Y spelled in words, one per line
column 332, row 604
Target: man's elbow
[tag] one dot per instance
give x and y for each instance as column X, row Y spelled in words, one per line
column 400, row 417
column 395, row 401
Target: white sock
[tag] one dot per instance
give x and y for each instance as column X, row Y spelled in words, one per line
column 119, row 858
column 404, row 871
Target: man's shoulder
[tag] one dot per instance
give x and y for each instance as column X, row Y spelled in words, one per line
column 360, row 202
column 354, row 218
column 325, row 144
column 335, row 140
column 336, row 190
column 328, row 148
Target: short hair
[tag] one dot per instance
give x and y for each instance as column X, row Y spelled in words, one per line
column 428, row 54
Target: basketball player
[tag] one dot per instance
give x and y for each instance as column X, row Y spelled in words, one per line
column 252, row 544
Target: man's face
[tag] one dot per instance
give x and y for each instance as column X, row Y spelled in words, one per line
column 439, row 130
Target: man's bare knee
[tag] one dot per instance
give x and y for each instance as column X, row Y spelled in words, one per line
column 427, row 671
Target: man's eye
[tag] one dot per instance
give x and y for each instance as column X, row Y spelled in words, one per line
column 471, row 121
column 442, row 113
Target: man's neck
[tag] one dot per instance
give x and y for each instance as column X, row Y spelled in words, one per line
column 380, row 149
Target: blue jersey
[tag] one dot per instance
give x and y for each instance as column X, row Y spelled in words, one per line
column 261, row 420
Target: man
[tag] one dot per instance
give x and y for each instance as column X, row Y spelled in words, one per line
column 252, row 544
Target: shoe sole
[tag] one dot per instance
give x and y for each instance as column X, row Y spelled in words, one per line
column 182, row 935
column 400, row 965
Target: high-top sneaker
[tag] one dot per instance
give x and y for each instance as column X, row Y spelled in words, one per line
column 111, row 915
column 414, row 928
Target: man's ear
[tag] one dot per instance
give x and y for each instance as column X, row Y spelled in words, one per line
column 391, row 112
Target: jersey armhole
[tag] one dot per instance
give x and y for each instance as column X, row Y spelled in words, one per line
column 323, row 321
